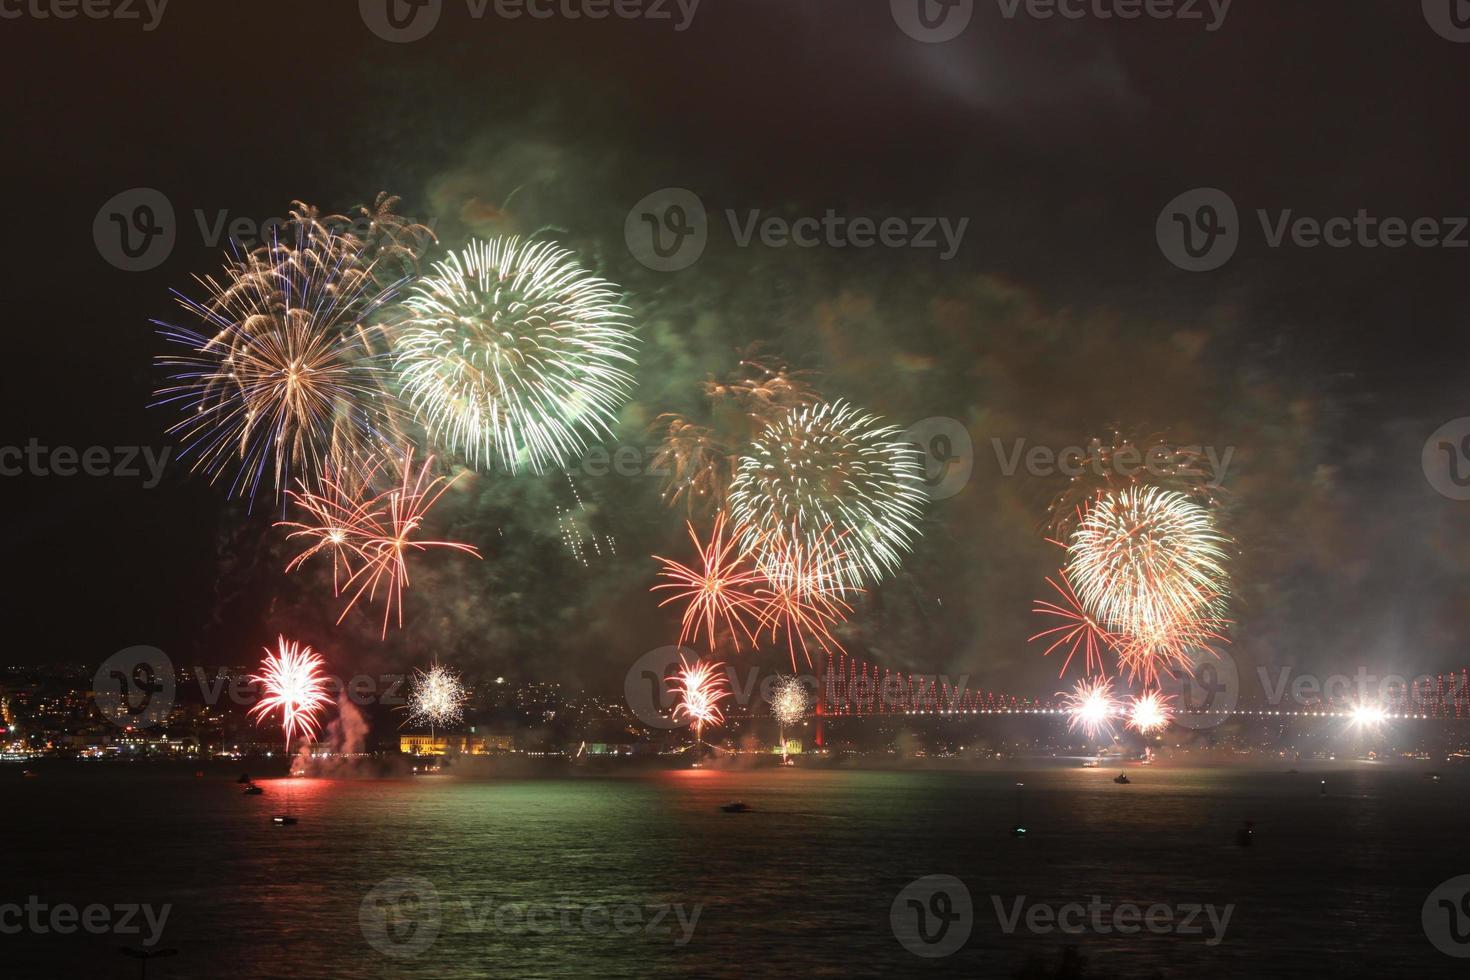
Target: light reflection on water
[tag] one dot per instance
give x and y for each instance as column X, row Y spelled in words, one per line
column 799, row 886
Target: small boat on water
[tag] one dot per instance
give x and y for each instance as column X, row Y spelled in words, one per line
column 282, row 821
column 735, row 806
column 1122, row 778
column 254, row 790
column 1091, row 764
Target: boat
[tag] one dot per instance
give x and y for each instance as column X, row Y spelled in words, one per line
column 735, row 806
column 282, row 821
column 1245, row 836
column 254, row 790
column 1090, row 764
column 1122, row 778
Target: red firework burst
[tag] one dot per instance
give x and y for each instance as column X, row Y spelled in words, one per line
column 719, row 591
column 701, row 687
column 292, row 681
column 372, row 536
column 803, row 594
column 1079, row 629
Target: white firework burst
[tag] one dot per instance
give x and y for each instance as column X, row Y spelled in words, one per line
column 437, row 697
column 510, row 353
column 831, row 472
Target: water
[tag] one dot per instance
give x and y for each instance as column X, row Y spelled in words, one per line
column 800, row 886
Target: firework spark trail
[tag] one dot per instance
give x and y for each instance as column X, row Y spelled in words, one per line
column 283, row 377
column 701, row 687
column 1091, row 706
column 831, row 466
column 1150, row 712
column 721, row 590
column 376, row 533
column 291, row 682
column 437, row 697
column 803, row 594
column 1079, row 630
column 509, row 352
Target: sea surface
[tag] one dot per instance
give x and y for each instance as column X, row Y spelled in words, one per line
column 447, row 876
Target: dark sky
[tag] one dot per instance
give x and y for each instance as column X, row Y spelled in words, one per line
column 1060, row 141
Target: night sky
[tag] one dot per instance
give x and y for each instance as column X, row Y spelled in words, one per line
column 1326, row 369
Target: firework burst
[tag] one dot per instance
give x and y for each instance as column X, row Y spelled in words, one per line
column 1079, row 630
column 372, row 536
column 700, row 459
column 1091, row 706
column 292, row 682
column 789, row 701
column 282, row 377
column 1149, row 564
column 1121, row 462
column 437, row 697
column 700, row 687
column 831, row 466
column 803, row 595
column 720, row 591
column 1150, row 712
column 510, row 353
